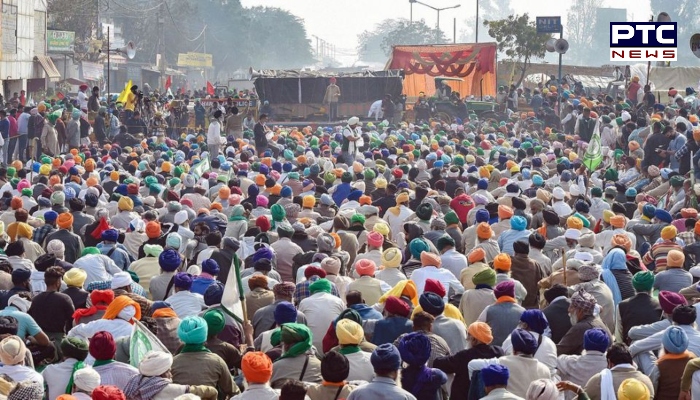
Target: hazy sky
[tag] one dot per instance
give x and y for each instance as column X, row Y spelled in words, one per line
column 340, row 21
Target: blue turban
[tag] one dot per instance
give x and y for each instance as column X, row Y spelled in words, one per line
column 523, row 341
column 675, row 340
column 482, row 215
column 438, row 164
column 277, row 166
column 192, row 330
column 264, row 170
column 596, row 339
column 537, row 180
column 417, row 246
column 183, row 280
column 518, row 223
column 214, row 293
column 535, row 320
column 566, row 176
column 160, row 304
column 70, row 192
column 73, row 170
column 526, row 173
column 169, row 260
column 287, row 167
column 210, row 266
column 111, row 235
column 482, row 184
column 355, row 195
column 495, row 375
column 536, row 162
column 386, row 357
column 121, row 189
column 582, row 207
column 631, row 192
column 432, row 303
column 286, row 191
column 91, row 200
column 663, row 215
column 50, row 216
column 414, row 348
column 285, row 312
column 649, row 210
column 262, row 253
column 253, row 191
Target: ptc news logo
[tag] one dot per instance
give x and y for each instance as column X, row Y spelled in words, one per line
column 643, row 41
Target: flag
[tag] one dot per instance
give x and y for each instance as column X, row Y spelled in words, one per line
column 594, row 152
column 232, row 299
column 210, row 88
column 60, row 95
column 168, row 82
column 142, row 341
column 125, row 93
column 201, row 167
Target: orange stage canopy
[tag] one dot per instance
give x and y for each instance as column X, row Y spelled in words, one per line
column 469, row 62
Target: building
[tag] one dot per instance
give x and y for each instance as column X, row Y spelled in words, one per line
column 24, row 64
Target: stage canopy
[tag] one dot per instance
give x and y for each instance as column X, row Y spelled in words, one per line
column 469, row 62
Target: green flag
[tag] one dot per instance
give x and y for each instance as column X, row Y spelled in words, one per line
column 594, row 152
column 142, row 341
column 201, row 167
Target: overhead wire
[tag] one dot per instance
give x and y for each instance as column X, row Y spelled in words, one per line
column 175, row 24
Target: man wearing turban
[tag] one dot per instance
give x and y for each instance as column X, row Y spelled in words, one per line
column 320, row 309
column 350, row 334
column 72, row 242
column 103, row 349
column 386, row 361
column 296, row 342
column 475, row 300
column 581, row 313
column 480, row 339
column 154, row 380
column 196, row 365
column 614, row 379
column 535, row 322
column 117, row 319
column 523, row 366
column 640, row 309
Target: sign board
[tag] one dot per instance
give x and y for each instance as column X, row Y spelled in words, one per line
column 201, row 60
column 60, row 41
column 92, row 71
column 548, row 24
column 643, row 41
column 695, row 44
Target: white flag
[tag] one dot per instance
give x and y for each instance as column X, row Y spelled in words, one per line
column 143, row 341
column 231, row 299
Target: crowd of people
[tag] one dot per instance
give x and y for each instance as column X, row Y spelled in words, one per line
column 433, row 260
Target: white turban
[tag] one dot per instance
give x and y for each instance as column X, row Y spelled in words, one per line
column 573, row 234
column 155, row 363
column 180, row 217
column 127, row 313
column 20, row 303
column 56, row 247
column 121, row 279
column 542, row 389
column 86, row 379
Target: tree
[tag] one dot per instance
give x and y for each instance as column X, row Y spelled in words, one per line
column 376, row 45
column 517, row 37
column 684, row 13
column 581, row 17
column 63, row 15
column 280, row 38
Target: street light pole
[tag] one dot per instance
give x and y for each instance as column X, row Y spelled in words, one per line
column 438, row 14
column 476, row 26
column 437, row 39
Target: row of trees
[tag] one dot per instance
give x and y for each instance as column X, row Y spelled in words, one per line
column 238, row 37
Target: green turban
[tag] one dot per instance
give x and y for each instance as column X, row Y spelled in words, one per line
column 485, row 277
column 643, row 281
column 358, row 218
column 451, row 218
column 90, row 250
column 278, row 213
column 216, row 321
column 321, row 285
column 298, row 335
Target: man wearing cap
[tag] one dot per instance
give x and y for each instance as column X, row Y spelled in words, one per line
column 620, row 369
column 581, row 313
column 386, row 362
column 523, row 367
column 13, row 353
column 578, row 369
column 668, row 370
column 480, row 341
column 638, row 310
column 475, row 300
column 298, row 360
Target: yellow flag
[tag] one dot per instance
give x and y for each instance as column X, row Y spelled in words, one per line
column 125, row 93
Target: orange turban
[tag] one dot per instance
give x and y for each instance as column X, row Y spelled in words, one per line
column 257, row 367
column 119, row 303
column 697, row 228
column 621, row 240
column 257, row 281
column 675, row 259
column 65, row 220
column 504, row 212
column 480, row 331
column 18, row 230
column 502, row 262
column 153, row 230
column 689, row 213
column 338, row 240
column 475, row 255
column 575, row 223
column 165, row 312
column 483, row 231
column 260, row 180
column 364, row 199
column 430, row 259
column 617, row 221
column 16, row 203
column 91, row 181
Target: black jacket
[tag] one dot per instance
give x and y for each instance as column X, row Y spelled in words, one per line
column 557, row 314
column 457, row 364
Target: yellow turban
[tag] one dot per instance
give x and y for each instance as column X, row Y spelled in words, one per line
column 669, row 232
column 607, row 214
column 402, row 198
column 18, row 230
column 75, row 277
column 633, row 389
column 381, row 228
column 125, row 204
column 349, row 332
column 402, row 288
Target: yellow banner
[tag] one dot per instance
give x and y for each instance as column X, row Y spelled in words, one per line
column 194, row 60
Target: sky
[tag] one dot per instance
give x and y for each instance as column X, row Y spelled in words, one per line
column 340, row 21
